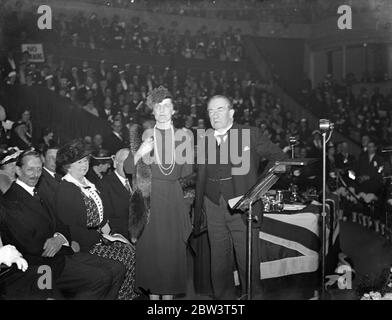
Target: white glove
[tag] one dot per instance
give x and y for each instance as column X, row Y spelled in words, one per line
column 9, row 255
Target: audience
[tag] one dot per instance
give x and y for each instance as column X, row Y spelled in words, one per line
column 89, row 190
column 43, row 239
column 84, row 210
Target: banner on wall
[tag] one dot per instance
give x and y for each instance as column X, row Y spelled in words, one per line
column 36, row 51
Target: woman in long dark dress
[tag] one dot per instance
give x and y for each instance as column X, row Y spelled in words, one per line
column 161, row 266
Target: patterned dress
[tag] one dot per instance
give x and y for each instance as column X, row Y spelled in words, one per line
column 124, row 253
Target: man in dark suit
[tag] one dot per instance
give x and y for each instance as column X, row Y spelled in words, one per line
column 223, row 180
column 118, row 190
column 344, row 160
column 117, row 139
column 44, row 240
column 50, row 179
column 18, row 280
column 106, row 111
column 316, row 146
column 368, row 171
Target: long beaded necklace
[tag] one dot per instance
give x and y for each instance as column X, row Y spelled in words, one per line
column 165, row 171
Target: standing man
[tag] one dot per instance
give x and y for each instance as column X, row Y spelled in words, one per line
column 219, row 182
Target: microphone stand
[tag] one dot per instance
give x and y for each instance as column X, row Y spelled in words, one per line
column 323, row 215
column 325, row 126
column 249, row 254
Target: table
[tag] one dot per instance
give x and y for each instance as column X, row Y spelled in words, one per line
column 288, row 249
column 290, row 243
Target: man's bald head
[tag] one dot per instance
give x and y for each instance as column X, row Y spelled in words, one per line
column 119, row 159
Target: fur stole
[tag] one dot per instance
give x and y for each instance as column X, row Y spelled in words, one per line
column 139, row 202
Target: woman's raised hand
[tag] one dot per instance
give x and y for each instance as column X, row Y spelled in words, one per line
column 146, row 147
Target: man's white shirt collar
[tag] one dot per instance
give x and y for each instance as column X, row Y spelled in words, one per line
column 118, row 135
column 26, row 187
column 48, row 171
column 122, row 179
column 31, row 191
column 222, row 132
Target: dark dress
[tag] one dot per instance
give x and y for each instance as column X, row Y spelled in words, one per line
column 161, row 264
column 81, row 215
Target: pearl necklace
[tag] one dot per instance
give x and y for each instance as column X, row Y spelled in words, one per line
column 165, row 171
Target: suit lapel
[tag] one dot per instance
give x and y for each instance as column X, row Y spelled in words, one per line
column 117, row 184
column 52, row 182
column 32, row 203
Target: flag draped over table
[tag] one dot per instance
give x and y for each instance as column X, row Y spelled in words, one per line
column 290, row 243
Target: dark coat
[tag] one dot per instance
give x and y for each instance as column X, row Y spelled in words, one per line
column 117, row 205
column 343, row 162
column 260, row 147
column 29, row 224
column 364, row 167
column 47, row 187
column 71, row 209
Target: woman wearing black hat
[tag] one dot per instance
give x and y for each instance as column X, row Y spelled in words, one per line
column 82, row 207
column 161, row 265
column 8, row 168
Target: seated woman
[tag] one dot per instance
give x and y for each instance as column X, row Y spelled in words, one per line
column 8, row 168
column 81, row 206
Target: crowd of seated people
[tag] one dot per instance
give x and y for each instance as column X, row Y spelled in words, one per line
column 266, row 11
column 117, row 94
column 324, row 9
column 79, row 260
column 285, row 11
column 354, row 114
column 134, row 35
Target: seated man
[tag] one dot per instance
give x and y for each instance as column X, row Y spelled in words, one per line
column 44, row 240
column 100, row 163
column 18, row 280
column 49, row 180
column 117, row 190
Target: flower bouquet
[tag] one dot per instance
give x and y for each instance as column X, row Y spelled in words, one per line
column 379, row 289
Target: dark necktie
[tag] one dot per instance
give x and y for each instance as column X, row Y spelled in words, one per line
column 220, row 138
column 128, row 186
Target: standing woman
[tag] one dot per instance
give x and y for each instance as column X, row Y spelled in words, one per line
column 161, row 249
column 82, row 207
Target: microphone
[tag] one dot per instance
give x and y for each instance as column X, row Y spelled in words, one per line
column 325, row 125
column 293, row 141
column 387, row 149
column 290, row 163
